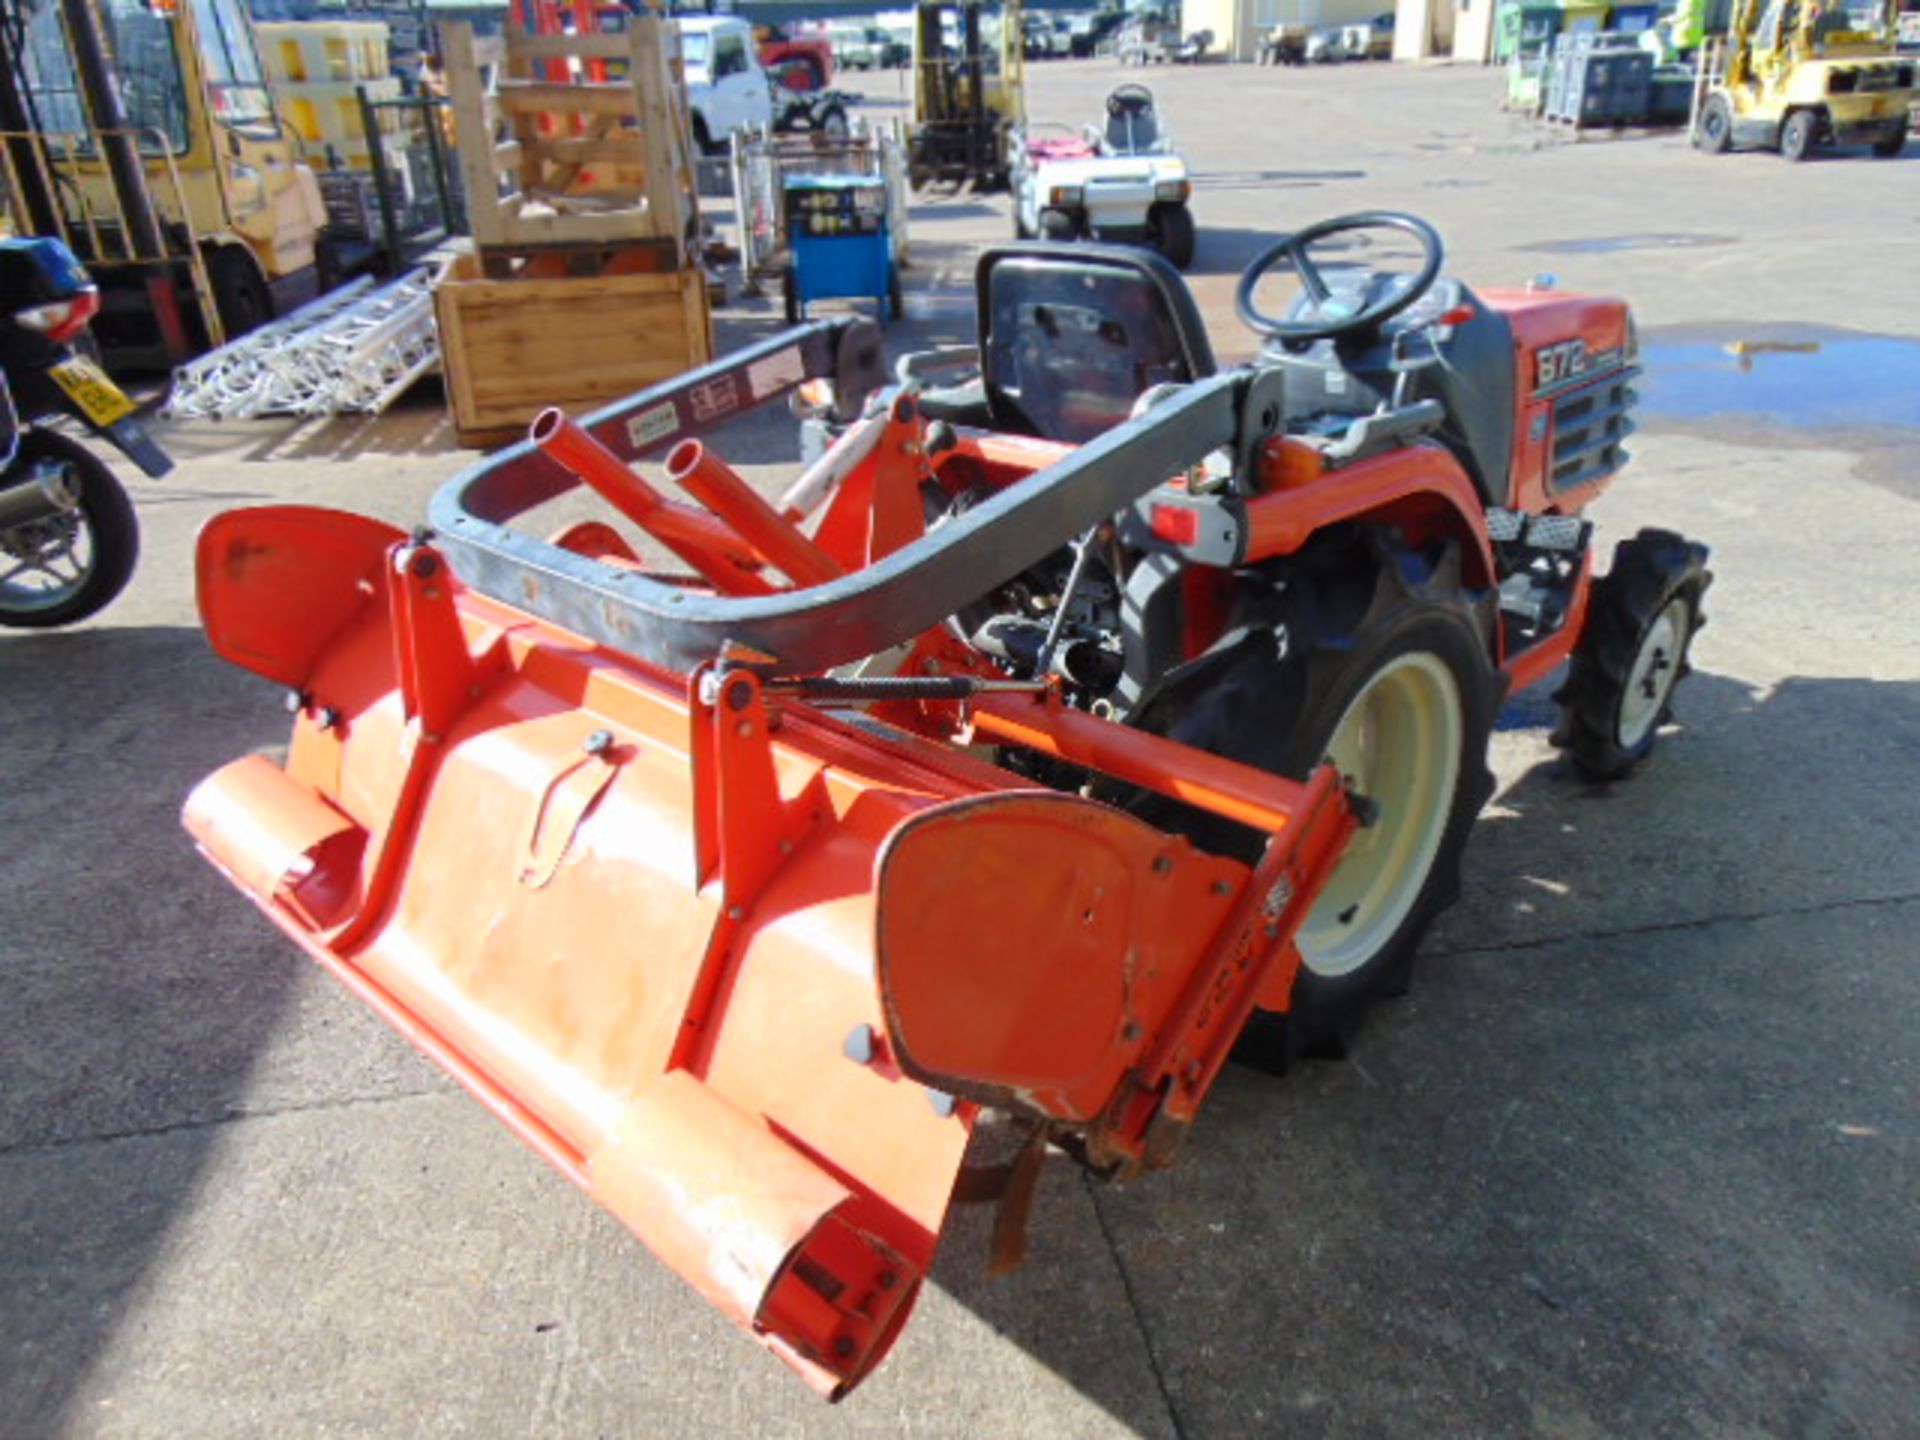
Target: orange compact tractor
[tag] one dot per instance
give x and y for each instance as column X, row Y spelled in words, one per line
column 1065, row 727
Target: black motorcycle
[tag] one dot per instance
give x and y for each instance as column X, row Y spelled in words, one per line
column 68, row 537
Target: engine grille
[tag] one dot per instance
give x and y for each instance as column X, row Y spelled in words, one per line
column 1590, row 426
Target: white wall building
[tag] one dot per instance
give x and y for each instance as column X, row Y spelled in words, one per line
column 1238, row 25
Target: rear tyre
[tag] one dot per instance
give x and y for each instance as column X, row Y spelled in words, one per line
column 239, row 292
column 1174, row 232
column 1798, row 135
column 1390, row 677
column 1715, row 132
column 329, row 268
column 56, row 571
column 1641, row 619
column 1891, row 143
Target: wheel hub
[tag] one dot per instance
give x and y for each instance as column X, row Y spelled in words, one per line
column 1398, row 744
column 43, row 563
column 1655, row 669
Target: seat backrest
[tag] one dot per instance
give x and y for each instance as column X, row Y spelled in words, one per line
column 1132, row 132
column 1133, row 124
column 1070, row 338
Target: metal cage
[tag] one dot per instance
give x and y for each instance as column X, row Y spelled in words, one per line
column 761, row 163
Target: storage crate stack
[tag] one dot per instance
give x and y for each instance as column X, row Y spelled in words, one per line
column 578, row 286
column 1524, row 29
column 1523, row 42
column 1599, row 79
column 315, row 69
column 1671, row 95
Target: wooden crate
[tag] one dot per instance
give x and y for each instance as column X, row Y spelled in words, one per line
column 572, row 159
column 565, row 262
column 510, row 348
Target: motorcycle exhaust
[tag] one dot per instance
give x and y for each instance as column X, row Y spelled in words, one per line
column 42, row 493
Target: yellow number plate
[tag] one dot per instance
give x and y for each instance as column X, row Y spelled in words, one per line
column 87, row 385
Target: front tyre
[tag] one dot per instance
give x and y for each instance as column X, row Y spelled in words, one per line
column 1174, row 235
column 1892, row 143
column 1058, row 225
column 1715, row 133
column 1021, row 230
column 63, row 569
column 1641, row 620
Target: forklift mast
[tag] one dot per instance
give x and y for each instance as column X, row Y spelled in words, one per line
column 239, row 213
column 967, row 81
column 1740, row 26
column 30, row 189
column 1788, row 32
column 78, row 134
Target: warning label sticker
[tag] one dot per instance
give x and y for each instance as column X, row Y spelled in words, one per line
column 652, row 425
column 714, row 398
column 776, row 372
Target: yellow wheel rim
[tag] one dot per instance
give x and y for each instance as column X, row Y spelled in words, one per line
column 1399, row 745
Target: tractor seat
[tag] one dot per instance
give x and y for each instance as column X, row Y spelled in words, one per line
column 1070, row 338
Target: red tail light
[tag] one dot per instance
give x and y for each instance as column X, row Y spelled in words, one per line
column 1175, row 524
column 63, row 319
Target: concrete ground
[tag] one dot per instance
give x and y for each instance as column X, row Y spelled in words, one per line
column 1640, row 1155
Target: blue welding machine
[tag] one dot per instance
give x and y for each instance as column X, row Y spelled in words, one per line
column 839, row 243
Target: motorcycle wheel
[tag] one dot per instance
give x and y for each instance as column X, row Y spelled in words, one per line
column 63, row 569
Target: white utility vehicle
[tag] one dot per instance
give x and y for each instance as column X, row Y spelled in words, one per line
column 1123, row 183
column 728, row 89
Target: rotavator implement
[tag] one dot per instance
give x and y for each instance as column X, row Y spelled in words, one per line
column 1063, row 727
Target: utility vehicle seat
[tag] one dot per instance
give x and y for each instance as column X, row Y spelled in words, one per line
column 1070, row 338
column 1132, row 132
column 1133, row 124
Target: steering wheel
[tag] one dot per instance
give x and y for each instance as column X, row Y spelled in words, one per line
column 1129, row 97
column 1294, row 248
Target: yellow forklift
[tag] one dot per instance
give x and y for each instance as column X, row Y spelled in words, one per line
column 969, row 92
column 1803, row 74
column 237, row 213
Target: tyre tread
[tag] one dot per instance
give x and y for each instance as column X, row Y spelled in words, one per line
column 115, row 536
column 1649, row 571
column 1345, row 602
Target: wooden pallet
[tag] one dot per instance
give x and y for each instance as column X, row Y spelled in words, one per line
column 510, row 348
column 570, row 160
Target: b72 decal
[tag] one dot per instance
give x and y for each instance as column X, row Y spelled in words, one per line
column 1560, row 363
column 1567, row 363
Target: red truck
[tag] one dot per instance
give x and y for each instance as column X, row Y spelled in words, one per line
column 799, row 60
